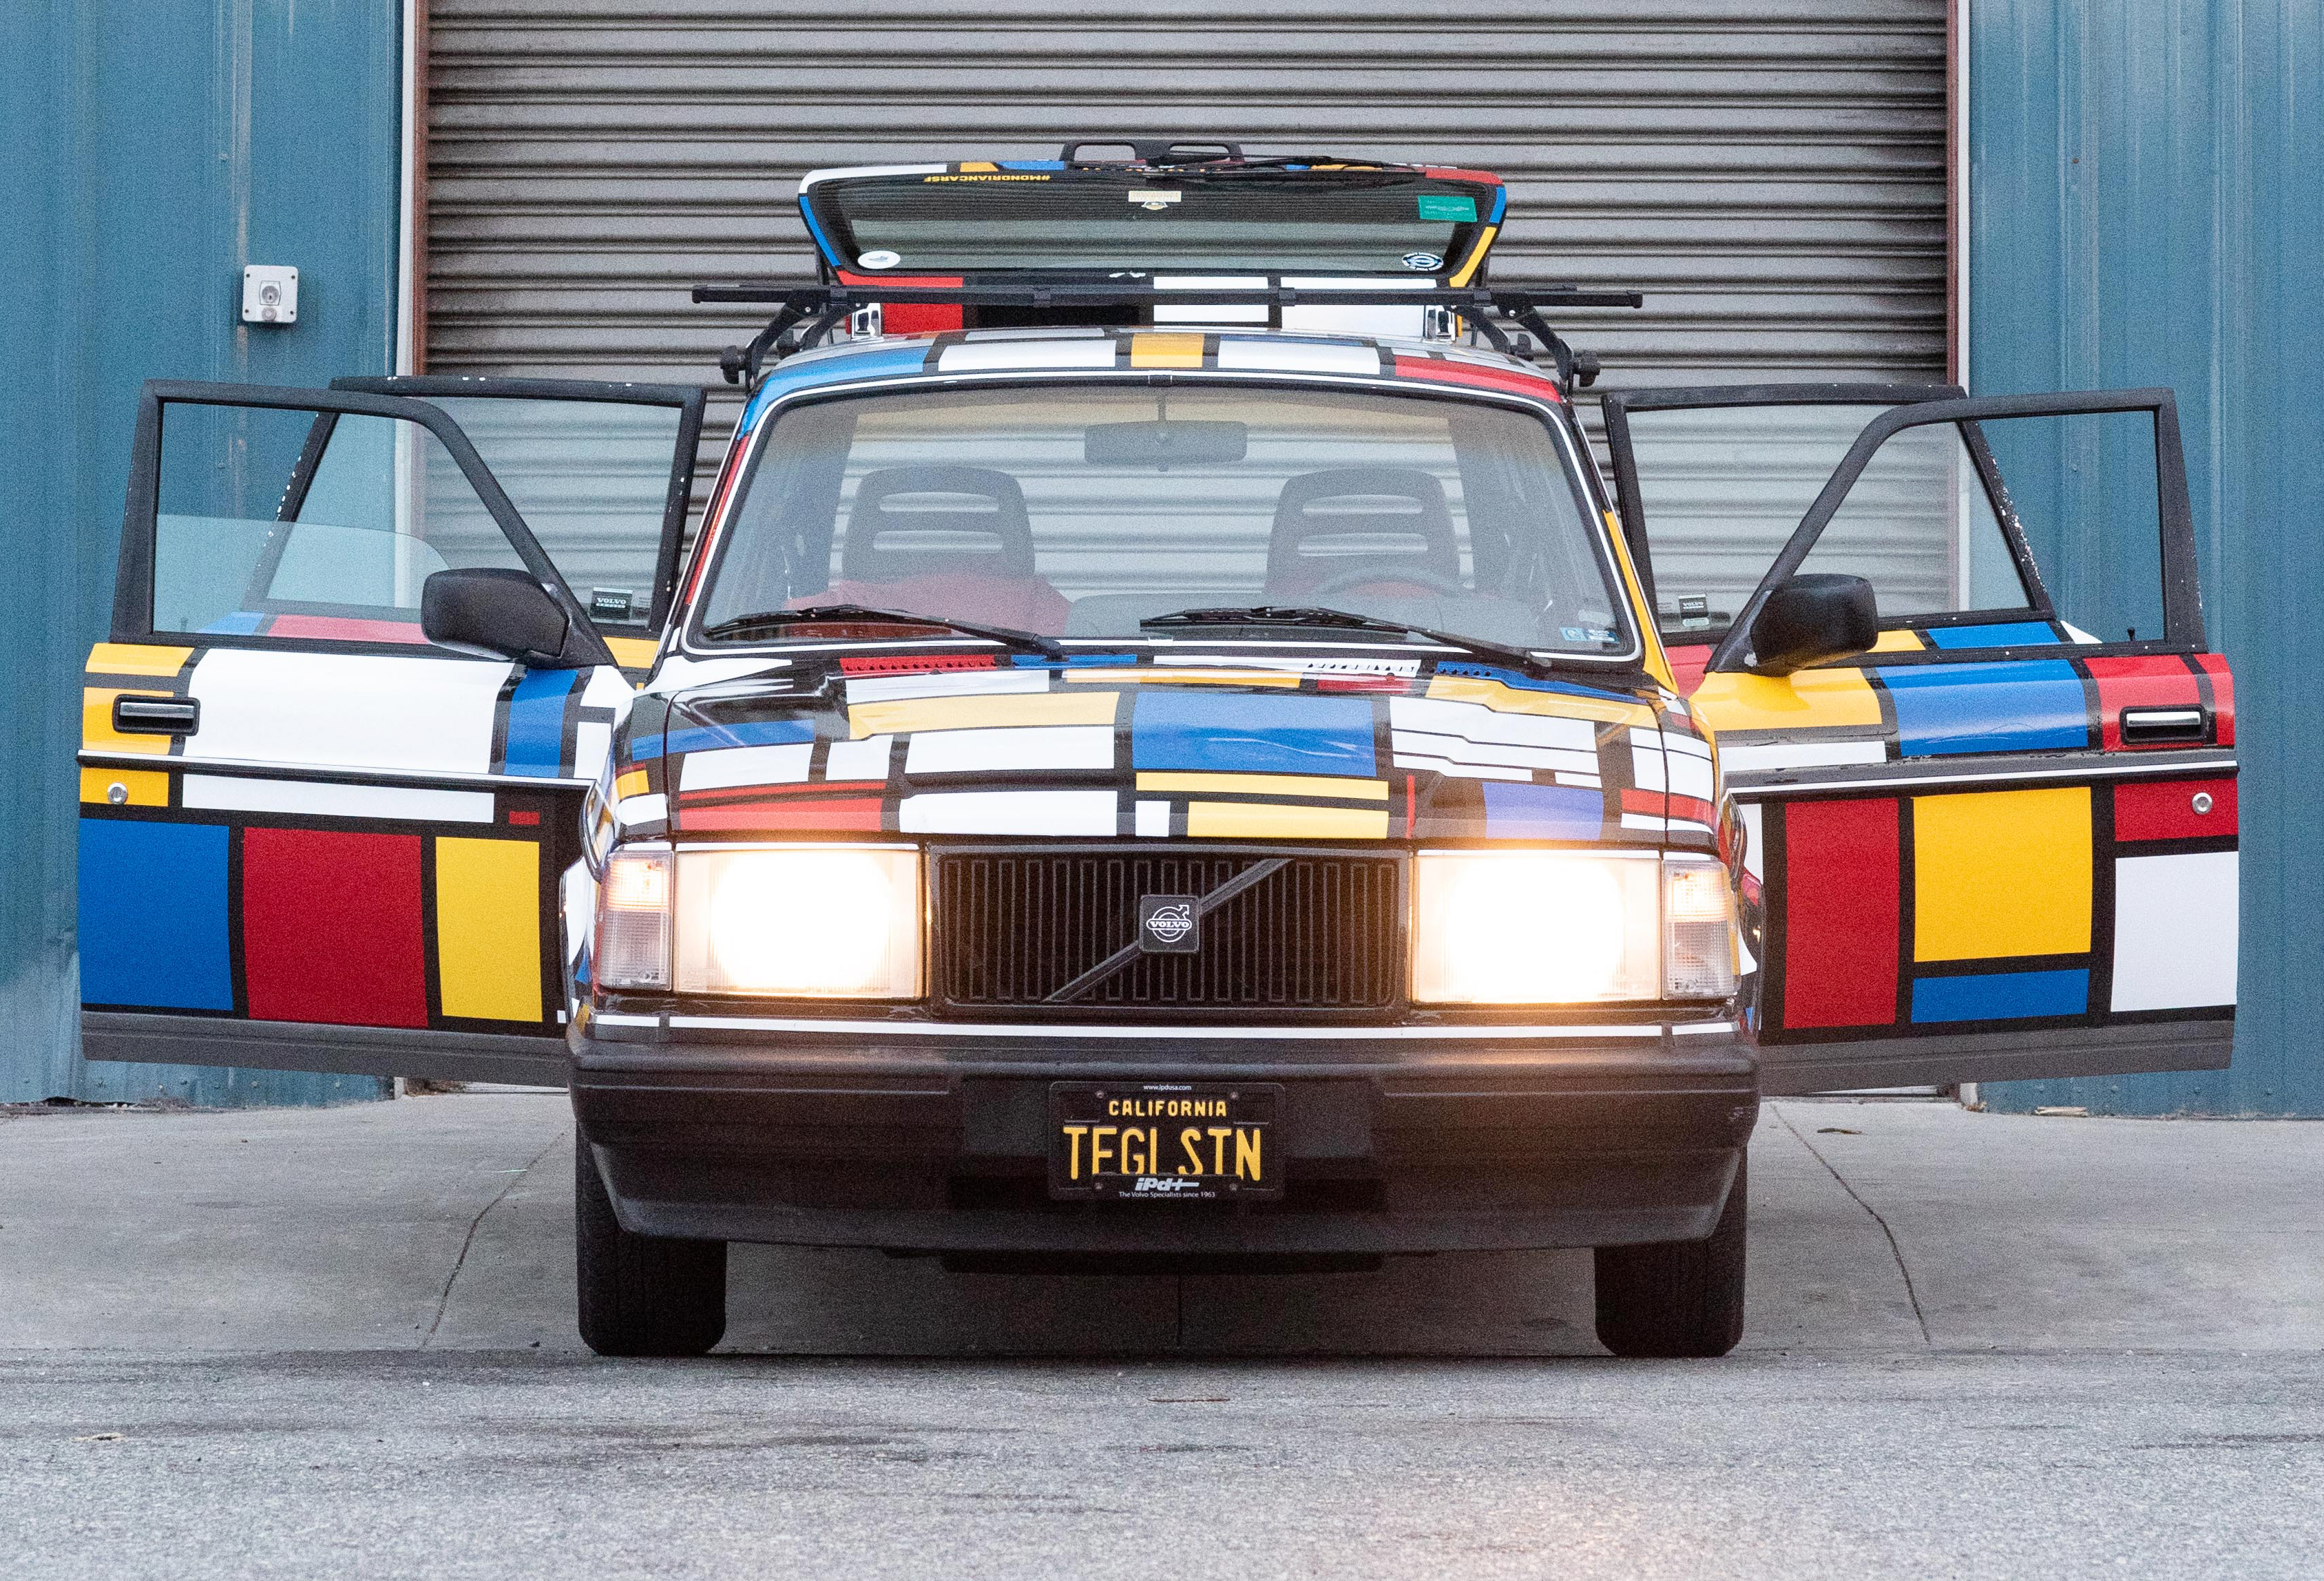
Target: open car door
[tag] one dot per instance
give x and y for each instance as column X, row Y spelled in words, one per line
column 311, row 839
column 2002, row 842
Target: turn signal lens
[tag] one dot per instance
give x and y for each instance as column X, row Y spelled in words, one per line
column 1699, row 932
column 1534, row 928
column 800, row 922
column 632, row 949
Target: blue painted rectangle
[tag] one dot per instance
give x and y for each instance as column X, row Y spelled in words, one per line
column 2033, row 705
column 1517, row 680
column 2021, row 634
column 1542, row 812
column 710, row 737
column 154, row 915
column 865, row 364
column 1239, row 734
column 536, row 723
column 2001, row 997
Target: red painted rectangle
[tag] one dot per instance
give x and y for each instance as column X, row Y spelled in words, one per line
column 915, row 664
column 1688, row 661
column 341, row 628
column 1446, row 371
column 2223, row 695
column 2166, row 811
column 1842, row 905
column 2147, row 680
column 851, row 814
column 332, row 929
column 1646, row 803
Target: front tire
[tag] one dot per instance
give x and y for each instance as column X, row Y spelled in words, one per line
column 641, row 1295
column 1678, row 1298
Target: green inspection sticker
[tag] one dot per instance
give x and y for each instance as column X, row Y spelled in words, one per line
column 1447, row 206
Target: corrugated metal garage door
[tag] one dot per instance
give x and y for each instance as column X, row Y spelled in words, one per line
column 1771, row 172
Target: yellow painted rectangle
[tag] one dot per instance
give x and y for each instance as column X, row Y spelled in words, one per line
column 1254, row 820
column 488, row 927
column 1166, row 351
column 1899, row 642
column 1812, row 699
column 96, row 731
column 2001, row 873
column 1183, row 675
column 980, row 713
column 146, row 787
column 633, row 653
column 1267, row 785
column 631, row 783
column 136, row 659
column 1510, row 699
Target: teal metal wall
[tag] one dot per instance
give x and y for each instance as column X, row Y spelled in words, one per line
column 2146, row 206
column 153, row 151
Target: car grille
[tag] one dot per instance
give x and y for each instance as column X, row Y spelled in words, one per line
column 1321, row 933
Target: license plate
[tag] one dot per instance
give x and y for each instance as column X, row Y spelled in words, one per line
column 1158, row 1141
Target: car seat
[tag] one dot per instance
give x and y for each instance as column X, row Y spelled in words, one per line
column 1341, row 524
column 940, row 541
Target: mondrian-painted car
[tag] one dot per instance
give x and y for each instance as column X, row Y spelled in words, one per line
column 1139, row 766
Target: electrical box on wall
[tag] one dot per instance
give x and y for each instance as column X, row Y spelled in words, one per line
column 270, row 293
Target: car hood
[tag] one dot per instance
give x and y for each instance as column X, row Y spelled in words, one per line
column 1351, row 748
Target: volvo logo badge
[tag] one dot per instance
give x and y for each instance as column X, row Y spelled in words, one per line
column 1167, row 925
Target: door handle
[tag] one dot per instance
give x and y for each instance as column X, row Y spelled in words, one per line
column 2157, row 726
column 156, row 716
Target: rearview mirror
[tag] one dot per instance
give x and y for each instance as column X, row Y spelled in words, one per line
column 496, row 614
column 1164, row 444
column 1810, row 618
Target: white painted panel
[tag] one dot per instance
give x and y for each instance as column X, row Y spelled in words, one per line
column 976, row 355
column 2174, row 930
column 640, row 809
column 1800, row 755
column 320, row 799
column 346, row 710
column 1474, row 722
column 1029, row 747
column 1154, row 818
column 952, row 683
column 858, row 761
column 745, row 765
column 1009, row 812
column 1297, row 356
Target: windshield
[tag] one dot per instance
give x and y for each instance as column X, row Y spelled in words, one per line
column 1246, row 221
column 1083, row 510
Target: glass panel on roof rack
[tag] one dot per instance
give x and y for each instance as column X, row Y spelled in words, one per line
column 1376, row 222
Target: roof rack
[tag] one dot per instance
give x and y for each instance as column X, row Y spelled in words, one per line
column 806, row 314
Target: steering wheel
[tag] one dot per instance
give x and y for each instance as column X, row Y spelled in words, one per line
column 1382, row 576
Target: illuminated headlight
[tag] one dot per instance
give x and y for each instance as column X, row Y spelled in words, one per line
column 1563, row 928
column 799, row 921
column 806, row 921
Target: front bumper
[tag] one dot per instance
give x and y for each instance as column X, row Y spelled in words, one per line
column 919, row 1138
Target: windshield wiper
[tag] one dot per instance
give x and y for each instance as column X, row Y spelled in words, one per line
column 1293, row 615
column 776, row 620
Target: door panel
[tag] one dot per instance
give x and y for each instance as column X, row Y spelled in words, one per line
column 1993, row 847
column 346, row 857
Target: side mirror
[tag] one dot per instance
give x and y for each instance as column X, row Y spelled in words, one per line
column 496, row 614
column 1811, row 619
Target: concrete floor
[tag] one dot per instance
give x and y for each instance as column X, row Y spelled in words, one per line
column 340, row 1341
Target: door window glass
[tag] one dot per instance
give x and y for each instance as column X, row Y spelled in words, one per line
column 1722, row 489
column 592, row 480
column 2083, row 489
column 289, row 523
column 1919, row 525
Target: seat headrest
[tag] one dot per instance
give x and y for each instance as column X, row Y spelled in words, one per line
column 1351, row 518
column 932, row 521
